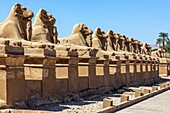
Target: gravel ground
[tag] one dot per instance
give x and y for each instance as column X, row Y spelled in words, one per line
column 91, row 104
column 74, row 107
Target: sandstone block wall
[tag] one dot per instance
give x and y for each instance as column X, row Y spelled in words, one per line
column 24, row 74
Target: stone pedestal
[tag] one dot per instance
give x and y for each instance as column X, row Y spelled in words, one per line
column 107, row 103
column 124, row 98
column 157, row 67
column 147, row 72
column 118, row 77
column 73, row 74
column 106, row 73
column 163, row 66
column 141, row 77
column 12, row 79
column 127, row 70
column 92, row 73
column 15, row 78
column 135, row 72
column 40, row 65
column 49, row 86
column 112, row 72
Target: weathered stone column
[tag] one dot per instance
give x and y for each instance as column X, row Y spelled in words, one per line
column 15, row 78
column 154, row 69
column 168, row 67
column 144, row 70
column 112, row 72
column 131, row 70
column 92, row 73
column 73, row 74
column 106, row 72
column 40, row 68
column 127, row 70
column 141, row 77
column 163, row 66
column 49, row 87
column 118, row 78
column 154, row 72
column 157, row 68
column 150, row 69
column 147, row 71
column 123, row 71
column 135, row 72
column 12, row 79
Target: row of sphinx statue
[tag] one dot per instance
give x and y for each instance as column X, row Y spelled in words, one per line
column 18, row 26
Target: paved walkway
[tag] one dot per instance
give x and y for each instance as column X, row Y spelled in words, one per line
column 157, row 104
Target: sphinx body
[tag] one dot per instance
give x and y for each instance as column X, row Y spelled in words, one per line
column 112, row 40
column 81, row 35
column 127, row 44
column 18, row 23
column 158, row 53
column 116, row 46
column 100, row 41
column 44, row 29
column 145, row 49
column 80, row 39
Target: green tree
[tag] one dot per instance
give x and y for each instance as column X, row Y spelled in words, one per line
column 159, row 41
column 164, row 37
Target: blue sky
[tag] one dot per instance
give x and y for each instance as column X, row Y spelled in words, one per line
column 140, row 19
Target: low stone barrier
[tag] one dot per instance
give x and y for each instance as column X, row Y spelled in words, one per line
column 125, row 100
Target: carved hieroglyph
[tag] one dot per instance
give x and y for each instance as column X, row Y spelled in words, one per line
column 44, row 29
column 18, row 23
column 81, row 35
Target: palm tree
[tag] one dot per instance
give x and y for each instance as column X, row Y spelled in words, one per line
column 164, row 37
column 159, row 41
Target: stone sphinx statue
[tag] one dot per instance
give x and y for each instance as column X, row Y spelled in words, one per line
column 113, row 44
column 158, row 53
column 44, row 29
column 139, row 47
column 81, row 35
column 146, row 49
column 17, row 25
column 44, row 34
column 134, row 45
column 80, row 39
column 112, row 40
column 100, row 41
column 120, row 43
column 127, row 44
